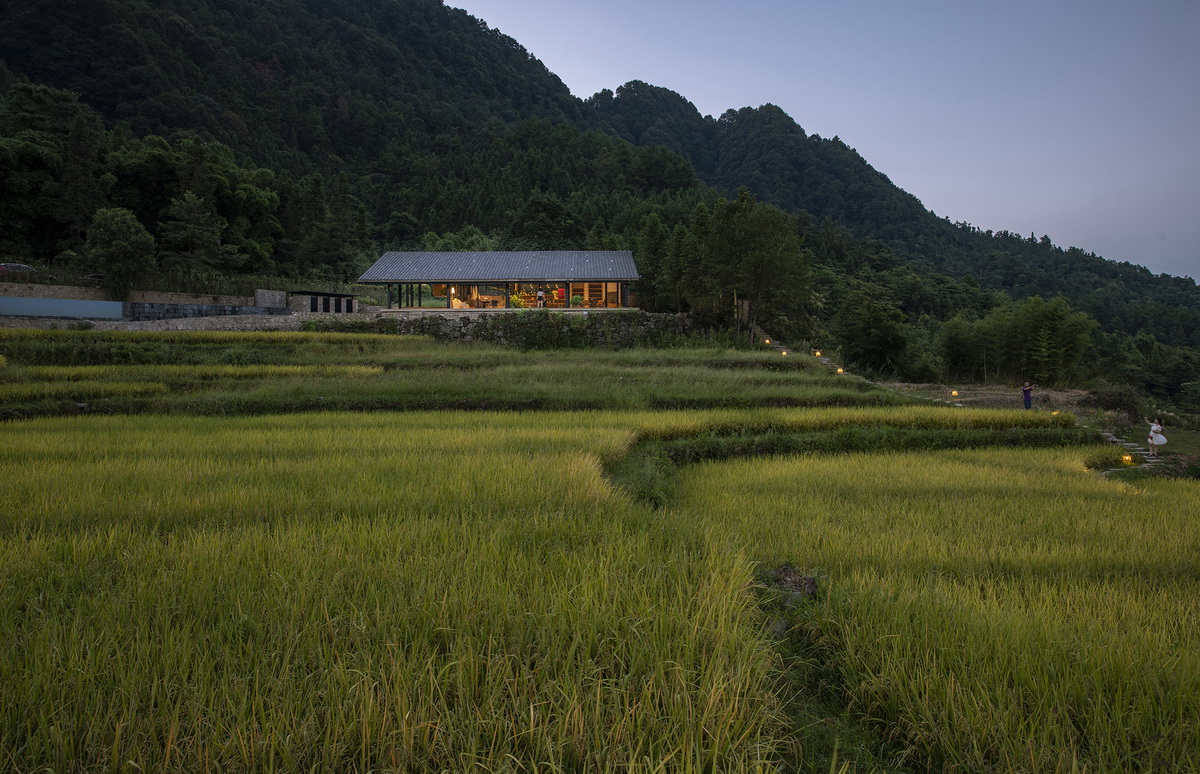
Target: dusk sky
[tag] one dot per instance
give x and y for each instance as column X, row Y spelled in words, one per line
column 1077, row 120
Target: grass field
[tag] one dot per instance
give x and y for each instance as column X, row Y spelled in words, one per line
column 436, row 591
column 1184, row 442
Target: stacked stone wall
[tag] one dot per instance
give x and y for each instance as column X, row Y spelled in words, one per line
column 528, row 329
column 63, row 292
column 79, row 293
column 189, row 299
column 139, row 312
column 272, row 298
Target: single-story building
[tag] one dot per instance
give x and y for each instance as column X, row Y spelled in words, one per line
column 321, row 301
column 564, row 279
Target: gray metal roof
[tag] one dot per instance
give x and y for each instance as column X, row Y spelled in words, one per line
column 577, row 265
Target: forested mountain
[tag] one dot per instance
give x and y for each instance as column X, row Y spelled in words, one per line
column 298, row 84
column 766, row 151
column 345, row 122
column 301, row 137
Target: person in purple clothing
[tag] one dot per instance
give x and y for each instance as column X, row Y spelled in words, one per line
column 1027, row 394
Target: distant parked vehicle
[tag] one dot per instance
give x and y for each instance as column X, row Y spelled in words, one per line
column 16, row 268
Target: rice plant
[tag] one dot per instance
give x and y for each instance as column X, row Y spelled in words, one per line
column 421, row 592
column 257, row 373
column 199, row 373
column 77, row 390
column 997, row 609
column 447, row 591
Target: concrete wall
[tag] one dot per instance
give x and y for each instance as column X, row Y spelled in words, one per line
column 16, row 306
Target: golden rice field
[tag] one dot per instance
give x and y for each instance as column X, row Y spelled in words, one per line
column 467, row 591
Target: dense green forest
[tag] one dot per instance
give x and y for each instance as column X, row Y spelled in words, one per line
column 185, row 141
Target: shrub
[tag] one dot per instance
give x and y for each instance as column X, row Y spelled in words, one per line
column 1115, row 397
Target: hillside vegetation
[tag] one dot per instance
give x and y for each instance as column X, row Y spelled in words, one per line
column 186, row 143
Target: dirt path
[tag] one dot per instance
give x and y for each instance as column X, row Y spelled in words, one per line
column 993, row 396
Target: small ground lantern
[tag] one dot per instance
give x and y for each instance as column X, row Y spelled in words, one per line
column 954, row 393
column 840, row 371
column 817, row 353
column 1127, row 459
column 766, row 341
column 784, row 353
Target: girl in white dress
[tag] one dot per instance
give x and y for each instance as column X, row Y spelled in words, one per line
column 1156, row 438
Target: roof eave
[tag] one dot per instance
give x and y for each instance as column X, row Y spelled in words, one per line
column 428, row 281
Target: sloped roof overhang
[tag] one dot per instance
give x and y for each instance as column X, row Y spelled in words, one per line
column 487, row 267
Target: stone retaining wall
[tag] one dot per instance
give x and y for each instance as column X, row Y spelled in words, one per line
column 65, row 292
column 528, row 329
column 137, row 312
column 243, row 322
column 78, row 293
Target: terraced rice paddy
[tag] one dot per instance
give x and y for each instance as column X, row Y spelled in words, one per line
column 262, row 373
column 467, row 590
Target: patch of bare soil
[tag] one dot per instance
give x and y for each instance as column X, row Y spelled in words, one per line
column 795, row 584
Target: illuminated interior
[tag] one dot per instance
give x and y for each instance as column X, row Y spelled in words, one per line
column 553, row 295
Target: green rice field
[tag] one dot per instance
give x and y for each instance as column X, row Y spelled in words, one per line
column 472, row 590
column 55, row 372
